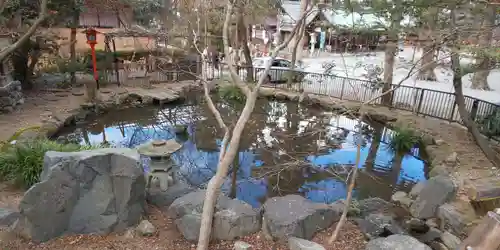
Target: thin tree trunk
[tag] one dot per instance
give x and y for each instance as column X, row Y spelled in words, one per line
column 480, row 78
column 244, row 43
column 299, row 39
column 298, row 44
column 460, row 101
column 227, row 157
column 352, row 182
column 389, row 57
column 34, row 57
column 234, row 178
column 72, row 45
column 295, row 52
column 390, row 54
column 20, row 61
column 428, row 64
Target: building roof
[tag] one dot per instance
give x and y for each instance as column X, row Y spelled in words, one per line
column 291, row 13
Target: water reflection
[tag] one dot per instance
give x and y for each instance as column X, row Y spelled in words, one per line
column 286, row 148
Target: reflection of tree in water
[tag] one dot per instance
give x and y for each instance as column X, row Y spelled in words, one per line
column 374, row 182
column 294, row 133
column 273, row 150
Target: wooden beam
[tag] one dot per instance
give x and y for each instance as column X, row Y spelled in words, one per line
column 485, row 235
column 483, row 189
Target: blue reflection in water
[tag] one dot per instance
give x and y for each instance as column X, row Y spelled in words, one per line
column 412, row 169
column 325, row 191
column 198, row 166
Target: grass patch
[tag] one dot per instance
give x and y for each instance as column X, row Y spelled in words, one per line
column 22, row 163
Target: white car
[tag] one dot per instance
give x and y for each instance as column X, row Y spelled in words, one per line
column 280, row 70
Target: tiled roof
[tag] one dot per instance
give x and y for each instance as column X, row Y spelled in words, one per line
column 336, row 17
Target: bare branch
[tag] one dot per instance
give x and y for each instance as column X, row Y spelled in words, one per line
column 41, row 17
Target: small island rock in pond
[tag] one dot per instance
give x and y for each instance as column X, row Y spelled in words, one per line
column 294, row 215
column 97, row 191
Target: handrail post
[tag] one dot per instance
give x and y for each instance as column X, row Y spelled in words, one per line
column 450, row 119
column 342, row 89
column 473, row 110
column 421, row 99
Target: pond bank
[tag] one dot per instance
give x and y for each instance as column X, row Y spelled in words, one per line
column 62, row 108
column 450, row 140
column 50, row 110
column 53, row 109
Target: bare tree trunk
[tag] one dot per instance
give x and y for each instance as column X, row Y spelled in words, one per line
column 242, row 31
column 352, row 182
column 295, row 52
column 72, row 45
column 389, row 58
column 480, row 78
column 390, row 52
column 234, row 180
column 299, row 39
column 428, row 64
column 460, row 101
column 3, row 4
column 298, row 44
column 41, row 17
column 227, row 156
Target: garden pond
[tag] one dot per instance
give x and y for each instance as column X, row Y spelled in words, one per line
column 286, row 148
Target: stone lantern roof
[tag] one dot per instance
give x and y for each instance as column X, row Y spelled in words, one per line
column 159, row 148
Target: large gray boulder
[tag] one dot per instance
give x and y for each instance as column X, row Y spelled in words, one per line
column 97, row 191
column 396, row 242
column 373, row 205
column 375, row 225
column 436, row 191
column 163, row 199
column 301, row 244
column 232, row 219
column 458, row 216
column 293, row 215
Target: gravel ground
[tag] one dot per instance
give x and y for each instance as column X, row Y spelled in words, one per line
column 168, row 238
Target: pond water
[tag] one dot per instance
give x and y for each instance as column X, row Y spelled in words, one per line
column 286, row 148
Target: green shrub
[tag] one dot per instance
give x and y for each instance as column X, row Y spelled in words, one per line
column 489, row 125
column 231, row 93
column 23, row 162
column 404, row 139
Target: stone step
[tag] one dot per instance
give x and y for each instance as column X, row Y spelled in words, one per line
column 483, row 189
column 160, row 96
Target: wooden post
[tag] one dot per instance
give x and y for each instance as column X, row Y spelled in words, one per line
column 485, row 236
column 117, row 70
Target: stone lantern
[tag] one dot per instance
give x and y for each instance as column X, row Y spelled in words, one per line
column 161, row 166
